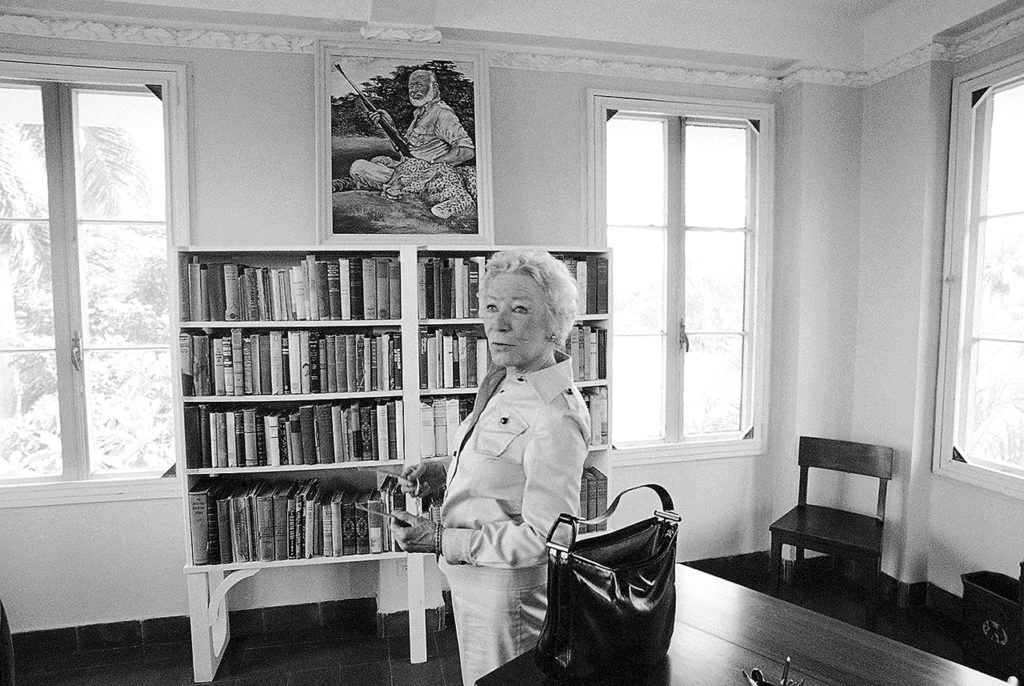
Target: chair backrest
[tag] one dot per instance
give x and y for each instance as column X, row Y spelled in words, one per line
column 849, row 457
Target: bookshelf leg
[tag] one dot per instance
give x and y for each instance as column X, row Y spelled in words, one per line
column 204, row 659
column 416, row 577
column 208, row 616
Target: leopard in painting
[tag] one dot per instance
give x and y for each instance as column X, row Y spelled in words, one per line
column 450, row 191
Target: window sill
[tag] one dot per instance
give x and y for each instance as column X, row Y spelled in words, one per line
column 84, row 492
column 685, row 452
column 983, row 477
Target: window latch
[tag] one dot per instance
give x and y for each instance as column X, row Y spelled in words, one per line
column 684, row 340
column 76, row 352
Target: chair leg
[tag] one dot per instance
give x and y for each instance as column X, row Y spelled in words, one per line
column 776, row 566
column 874, row 599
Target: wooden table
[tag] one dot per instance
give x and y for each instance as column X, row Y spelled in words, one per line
column 722, row 627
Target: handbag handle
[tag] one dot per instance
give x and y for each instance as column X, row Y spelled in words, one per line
column 665, row 513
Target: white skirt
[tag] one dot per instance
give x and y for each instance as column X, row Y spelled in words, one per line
column 498, row 614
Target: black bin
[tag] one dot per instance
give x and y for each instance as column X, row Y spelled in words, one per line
column 993, row 620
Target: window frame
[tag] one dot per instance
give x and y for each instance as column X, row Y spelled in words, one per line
column 959, row 277
column 57, row 77
column 757, row 270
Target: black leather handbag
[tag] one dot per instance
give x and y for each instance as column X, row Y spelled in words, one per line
column 611, row 597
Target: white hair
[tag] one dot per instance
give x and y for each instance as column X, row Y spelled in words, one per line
column 560, row 291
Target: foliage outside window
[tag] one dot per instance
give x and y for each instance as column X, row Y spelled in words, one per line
column 681, row 191
column 981, row 409
column 84, row 332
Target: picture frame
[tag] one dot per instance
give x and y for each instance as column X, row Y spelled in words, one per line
column 368, row 189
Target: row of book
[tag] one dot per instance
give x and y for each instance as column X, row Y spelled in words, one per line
column 588, row 348
column 593, row 498
column 439, row 420
column 268, row 521
column 452, row 358
column 448, row 287
column 313, row 290
column 309, row 434
column 289, row 363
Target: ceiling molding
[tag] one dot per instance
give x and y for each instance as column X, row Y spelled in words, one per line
column 88, row 29
column 226, row 37
column 987, row 37
column 408, row 34
column 609, row 66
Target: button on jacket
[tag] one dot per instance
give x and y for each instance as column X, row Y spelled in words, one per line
column 518, row 470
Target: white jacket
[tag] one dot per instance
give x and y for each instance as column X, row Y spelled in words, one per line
column 518, row 470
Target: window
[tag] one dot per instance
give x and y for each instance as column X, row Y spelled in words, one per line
column 85, row 366
column 981, row 399
column 682, row 197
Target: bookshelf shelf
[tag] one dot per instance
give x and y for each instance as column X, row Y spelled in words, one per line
column 448, row 391
column 291, row 398
column 297, row 324
column 304, row 562
column 248, row 297
column 279, row 469
column 469, row 321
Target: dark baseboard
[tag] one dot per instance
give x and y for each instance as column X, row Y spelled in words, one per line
column 755, row 566
column 351, row 618
column 947, row 604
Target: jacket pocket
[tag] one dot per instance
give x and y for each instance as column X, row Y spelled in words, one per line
column 495, row 436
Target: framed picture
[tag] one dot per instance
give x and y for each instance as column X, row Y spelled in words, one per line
column 404, row 153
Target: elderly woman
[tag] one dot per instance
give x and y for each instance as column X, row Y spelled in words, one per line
column 517, row 464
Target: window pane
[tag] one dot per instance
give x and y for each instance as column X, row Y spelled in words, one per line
column 26, row 295
column 716, row 176
column 712, row 384
column 119, row 155
column 1000, row 308
column 23, row 192
column 638, row 403
column 995, row 412
column 29, row 416
column 1006, row 155
column 714, row 280
column 129, row 402
column 638, row 276
column 124, row 269
column 636, row 171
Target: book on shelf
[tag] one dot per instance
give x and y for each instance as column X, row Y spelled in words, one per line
column 290, row 363
column 588, row 347
column 600, row 496
column 452, row 358
column 314, row 288
column 596, row 400
column 322, row 433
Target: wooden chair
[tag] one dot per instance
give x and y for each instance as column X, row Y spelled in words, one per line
column 830, row 530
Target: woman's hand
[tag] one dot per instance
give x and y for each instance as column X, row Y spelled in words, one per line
column 416, row 534
column 423, row 479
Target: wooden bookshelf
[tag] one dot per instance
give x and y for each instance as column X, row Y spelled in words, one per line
column 208, row 584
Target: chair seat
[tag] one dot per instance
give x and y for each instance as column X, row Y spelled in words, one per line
column 847, row 533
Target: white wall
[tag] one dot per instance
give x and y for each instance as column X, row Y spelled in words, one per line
column 858, row 214
column 814, row 281
column 254, row 179
column 971, row 528
column 903, row 182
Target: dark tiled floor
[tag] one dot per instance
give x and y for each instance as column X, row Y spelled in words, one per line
column 308, row 658
column 292, row 658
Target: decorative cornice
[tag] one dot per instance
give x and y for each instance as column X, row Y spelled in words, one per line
column 931, row 52
column 408, row 34
column 82, row 29
column 606, row 66
column 988, row 37
column 541, row 60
